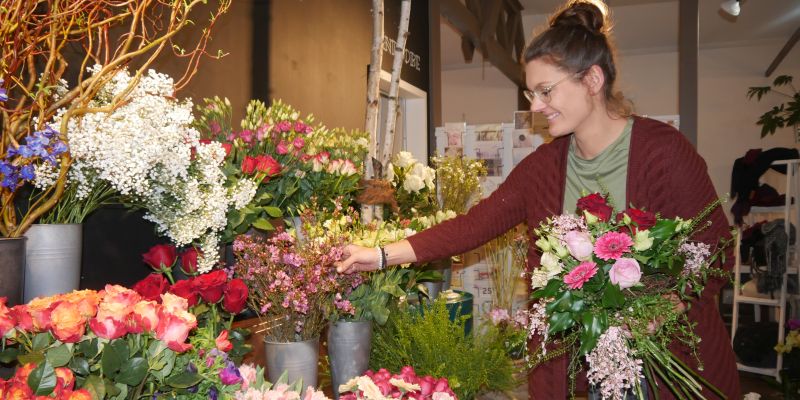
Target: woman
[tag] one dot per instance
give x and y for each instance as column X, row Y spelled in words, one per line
column 570, row 74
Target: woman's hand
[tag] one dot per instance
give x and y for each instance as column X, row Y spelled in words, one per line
column 680, row 308
column 358, row 258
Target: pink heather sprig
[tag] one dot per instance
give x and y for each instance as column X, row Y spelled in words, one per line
column 538, row 322
column 612, row 366
column 567, row 222
column 696, row 254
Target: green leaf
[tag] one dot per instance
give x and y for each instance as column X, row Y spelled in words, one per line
column 782, row 80
column 594, row 324
column 132, row 372
column 8, row 355
column 155, row 348
column 612, row 296
column 549, row 290
column 89, row 348
column 59, row 356
column 41, row 341
column 42, row 379
column 79, row 365
column 114, row 354
column 31, row 358
column 560, row 321
column 95, row 386
column 562, row 302
column 263, row 224
column 184, row 380
column 663, row 229
column 164, row 365
column 111, row 388
column 273, row 212
column 123, row 392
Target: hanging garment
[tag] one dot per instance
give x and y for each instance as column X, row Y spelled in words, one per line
column 744, row 179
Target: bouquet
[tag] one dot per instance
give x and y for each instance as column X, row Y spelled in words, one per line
column 282, row 160
column 414, row 186
column 383, row 385
column 611, row 289
column 147, row 151
column 291, row 283
column 459, row 181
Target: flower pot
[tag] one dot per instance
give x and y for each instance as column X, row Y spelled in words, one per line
column 298, row 359
column 444, row 267
column 349, row 345
column 53, row 259
column 12, row 269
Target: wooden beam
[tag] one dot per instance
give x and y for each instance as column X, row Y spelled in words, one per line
column 688, row 39
column 469, row 27
column 784, row 51
column 467, row 49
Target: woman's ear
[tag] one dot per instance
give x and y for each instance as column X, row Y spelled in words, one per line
column 594, row 79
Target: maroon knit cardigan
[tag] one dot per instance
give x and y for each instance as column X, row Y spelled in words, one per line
column 665, row 174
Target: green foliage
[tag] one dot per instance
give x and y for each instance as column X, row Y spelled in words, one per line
column 434, row 345
column 782, row 115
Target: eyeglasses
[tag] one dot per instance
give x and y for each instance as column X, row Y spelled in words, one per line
column 543, row 93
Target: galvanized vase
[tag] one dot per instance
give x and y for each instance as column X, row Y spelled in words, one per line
column 12, row 269
column 298, row 359
column 53, row 259
column 349, row 345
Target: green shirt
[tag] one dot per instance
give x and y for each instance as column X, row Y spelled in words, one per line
column 607, row 172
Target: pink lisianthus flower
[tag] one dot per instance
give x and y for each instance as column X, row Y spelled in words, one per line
column 612, row 245
column 580, row 275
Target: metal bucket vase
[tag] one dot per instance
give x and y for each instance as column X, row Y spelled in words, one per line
column 349, row 345
column 298, row 359
column 12, row 269
column 53, row 259
column 444, row 267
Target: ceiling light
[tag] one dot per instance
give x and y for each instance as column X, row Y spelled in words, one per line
column 731, row 7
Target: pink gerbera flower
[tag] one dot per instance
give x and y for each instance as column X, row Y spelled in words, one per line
column 612, row 245
column 580, row 275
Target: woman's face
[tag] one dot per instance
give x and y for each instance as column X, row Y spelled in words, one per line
column 566, row 105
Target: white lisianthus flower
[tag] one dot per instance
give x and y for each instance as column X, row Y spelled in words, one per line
column 369, row 388
column 442, row 396
column 413, row 183
column 403, row 385
column 642, row 240
column 404, row 159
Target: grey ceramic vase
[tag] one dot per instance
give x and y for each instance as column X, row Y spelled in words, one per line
column 349, row 345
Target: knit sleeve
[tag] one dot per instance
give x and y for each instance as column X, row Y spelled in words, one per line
column 491, row 217
column 694, row 190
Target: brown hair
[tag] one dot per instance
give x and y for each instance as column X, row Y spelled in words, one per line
column 579, row 36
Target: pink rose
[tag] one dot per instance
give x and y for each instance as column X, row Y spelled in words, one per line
column 579, row 245
column 580, row 275
column 625, row 272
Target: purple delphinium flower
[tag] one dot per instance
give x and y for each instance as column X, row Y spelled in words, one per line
column 793, row 324
column 213, row 393
column 26, row 172
column 3, row 92
column 230, row 374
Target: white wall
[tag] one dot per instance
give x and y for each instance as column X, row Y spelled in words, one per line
column 726, row 118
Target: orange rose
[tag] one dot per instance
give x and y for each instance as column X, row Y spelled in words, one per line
column 173, row 329
column 117, row 302
column 66, row 377
column 6, row 318
column 82, row 394
column 108, row 328
column 174, row 304
column 67, row 323
column 22, row 317
column 39, row 309
column 18, row 391
column 86, row 300
column 144, row 317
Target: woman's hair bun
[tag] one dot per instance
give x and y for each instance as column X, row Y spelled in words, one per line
column 585, row 13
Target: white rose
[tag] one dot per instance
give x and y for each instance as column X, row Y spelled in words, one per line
column 404, row 159
column 413, row 184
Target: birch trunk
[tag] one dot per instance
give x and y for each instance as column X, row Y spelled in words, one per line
column 394, row 84
column 373, row 101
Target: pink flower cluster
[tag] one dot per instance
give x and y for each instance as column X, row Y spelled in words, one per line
column 110, row 314
column 612, row 366
column 405, row 385
column 696, row 254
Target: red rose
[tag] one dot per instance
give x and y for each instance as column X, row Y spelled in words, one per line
column 189, row 261
column 249, row 165
column 235, row 296
column 268, row 164
column 152, row 287
column 641, row 219
column 160, row 257
column 228, row 147
column 186, row 289
column 596, row 205
column 211, row 285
